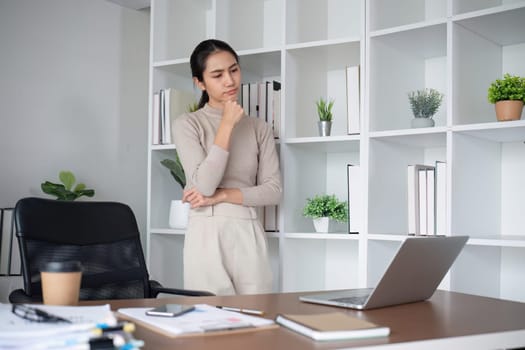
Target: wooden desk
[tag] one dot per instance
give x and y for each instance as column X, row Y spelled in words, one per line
column 479, row 323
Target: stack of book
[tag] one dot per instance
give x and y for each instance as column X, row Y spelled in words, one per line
column 427, row 199
column 263, row 100
column 167, row 105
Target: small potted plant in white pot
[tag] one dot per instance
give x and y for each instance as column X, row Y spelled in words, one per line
column 179, row 211
column 508, row 95
column 323, row 208
column 324, row 111
column 424, row 104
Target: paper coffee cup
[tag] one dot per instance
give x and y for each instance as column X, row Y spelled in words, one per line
column 61, row 282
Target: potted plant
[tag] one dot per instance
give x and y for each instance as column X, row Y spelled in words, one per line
column 322, row 208
column 324, row 110
column 508, row 95
column 424, row 104
column 179, row 211
column 65, row 190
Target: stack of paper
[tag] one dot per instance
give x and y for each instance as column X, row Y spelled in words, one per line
column 204, row 319
column 19, row 333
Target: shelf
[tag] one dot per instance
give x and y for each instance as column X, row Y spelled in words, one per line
column 326, row 144
column 512, row 131
column 387, row 237
column 455, row 46
column 313, row 235
column 402, row 62
column 318, row 72
column 468, row 9
column 498, row 241
column 408, row 27
column 249, row 24
column 386, row 14
column 423, row 137
column 167, row 231
column 312, row 20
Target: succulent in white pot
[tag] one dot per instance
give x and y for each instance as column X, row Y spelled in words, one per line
column 424, row 104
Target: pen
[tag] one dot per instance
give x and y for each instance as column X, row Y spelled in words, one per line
column 244, row 311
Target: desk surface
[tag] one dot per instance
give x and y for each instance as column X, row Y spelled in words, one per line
column 478, row 320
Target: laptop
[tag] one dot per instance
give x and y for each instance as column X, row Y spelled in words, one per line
column 413, row 275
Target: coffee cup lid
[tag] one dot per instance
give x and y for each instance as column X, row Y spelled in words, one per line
column 62, row 266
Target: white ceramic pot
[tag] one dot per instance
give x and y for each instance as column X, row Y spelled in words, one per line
column 321, row 224
column 422, row 123
column 179, row 213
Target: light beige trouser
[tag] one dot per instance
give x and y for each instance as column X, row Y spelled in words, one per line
column 225, row 251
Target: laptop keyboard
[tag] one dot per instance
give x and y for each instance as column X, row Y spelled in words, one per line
column 356, row 300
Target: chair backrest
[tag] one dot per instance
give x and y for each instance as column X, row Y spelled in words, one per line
column 103, row 236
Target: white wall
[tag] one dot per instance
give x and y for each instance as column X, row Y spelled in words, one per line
column 73, row 95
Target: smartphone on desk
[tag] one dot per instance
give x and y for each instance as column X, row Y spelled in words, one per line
column 170, row 310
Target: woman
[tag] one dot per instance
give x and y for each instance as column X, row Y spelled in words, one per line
column 231, row 167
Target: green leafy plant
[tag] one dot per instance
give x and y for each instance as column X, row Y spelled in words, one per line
column 324, row 109
column 425, row 103
column 508, row 88
column 65, row 190
column 192, row 107
column 176, row 169
column 326, row 206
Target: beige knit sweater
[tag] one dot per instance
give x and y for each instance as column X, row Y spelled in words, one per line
column 251, row 164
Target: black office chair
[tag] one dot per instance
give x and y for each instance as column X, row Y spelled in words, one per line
column 103, row 236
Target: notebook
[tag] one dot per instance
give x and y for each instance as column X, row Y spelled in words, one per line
column 413, row 275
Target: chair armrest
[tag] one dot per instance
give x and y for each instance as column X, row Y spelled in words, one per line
column 156, row 288
column 19, row 296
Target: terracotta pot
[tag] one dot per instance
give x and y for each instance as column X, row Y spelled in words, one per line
column 509, row 110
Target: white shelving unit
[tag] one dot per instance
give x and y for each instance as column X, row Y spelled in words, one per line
column 455, row 46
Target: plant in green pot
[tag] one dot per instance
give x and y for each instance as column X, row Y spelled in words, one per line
column 424, row 104
column 65, row 190
column 508, row 95
column 179, row 211
column 324, row 111
column 323, row 208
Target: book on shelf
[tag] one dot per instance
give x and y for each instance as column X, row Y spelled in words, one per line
column 155, row 125
column 263, row 100
column 177, row 102
column 162, row 116
column 276, row 109
column 269, row 103
column 332, row 326
column 245, row 98
column 270, row 222
column 253, row 110
column 353, row 99
column 417, row 199
column 427, row 202
column 168, row 104
column 440, row 197
column 355, row 210
column 269, row 218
